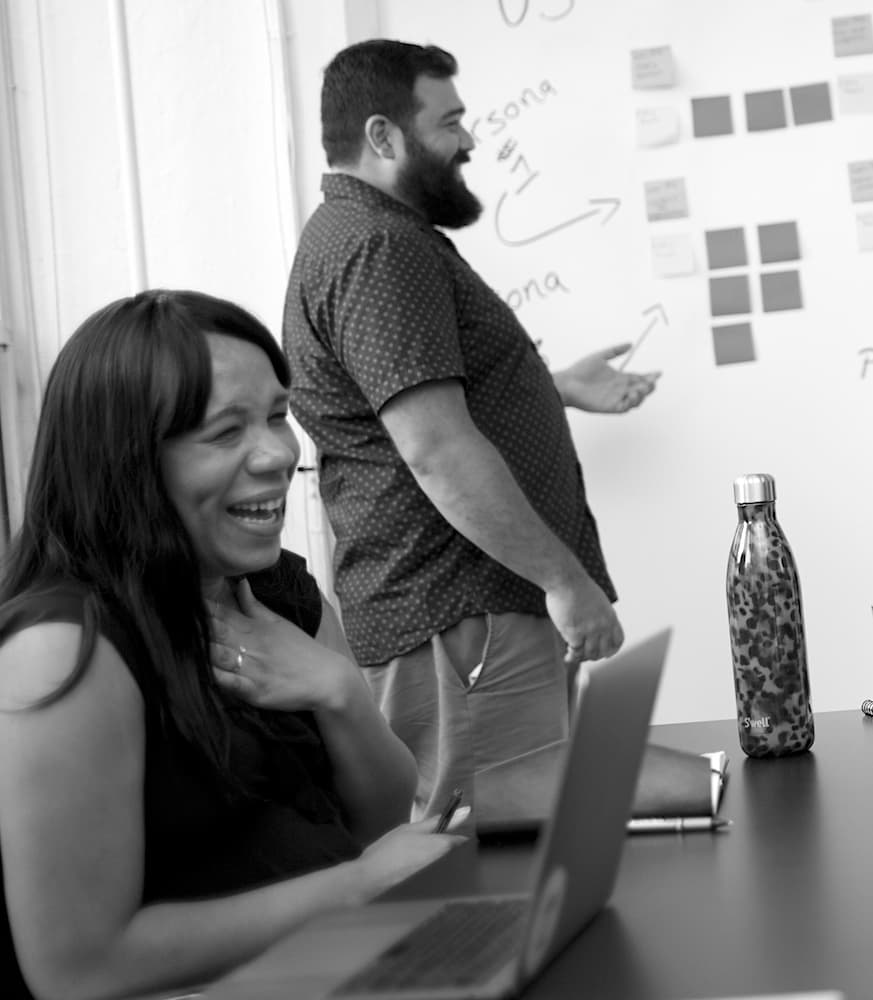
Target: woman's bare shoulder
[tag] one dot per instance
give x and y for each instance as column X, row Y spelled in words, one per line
column 38, row 660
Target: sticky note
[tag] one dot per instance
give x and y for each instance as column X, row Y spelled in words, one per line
column 765, row 109
column 657, row 126
column 861, row 180
column 811, row 103
column 853, row 35
column 672, row 255
column 855, row 94
column 778, row 241
column 729, row 295
column 652, row 68
column 726, row 248
column 865, row 231
column 666, row 199
column 781, row 290
column 712, row 116
column 733, row 343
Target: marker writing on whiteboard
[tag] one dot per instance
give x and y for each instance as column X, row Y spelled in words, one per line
column 649, row 326
column 607, row 207
column 513, row 14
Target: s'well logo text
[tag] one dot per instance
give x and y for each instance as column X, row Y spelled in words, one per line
column 762, row 723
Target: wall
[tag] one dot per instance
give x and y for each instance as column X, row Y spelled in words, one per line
column 568, row 240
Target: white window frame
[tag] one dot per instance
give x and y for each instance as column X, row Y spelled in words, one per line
column 20, row 387
column 7, row 390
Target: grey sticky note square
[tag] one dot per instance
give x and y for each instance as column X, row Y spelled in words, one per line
column 781, row 290
column 726, row 248
column 733, row 343
column 811, row 103
column 729, row 295
column 853, row 35
column 666, row 199
column 861, row 180
column 778, row 241
column 765, row 109
column 712, row 116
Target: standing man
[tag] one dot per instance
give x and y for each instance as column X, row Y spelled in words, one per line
column 467, row 563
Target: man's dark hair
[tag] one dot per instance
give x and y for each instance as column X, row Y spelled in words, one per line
column 376, row 77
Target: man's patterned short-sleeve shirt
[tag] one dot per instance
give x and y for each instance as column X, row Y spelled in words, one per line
column 378, row 302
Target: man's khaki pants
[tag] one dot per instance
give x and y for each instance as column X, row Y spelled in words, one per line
column 487, row 689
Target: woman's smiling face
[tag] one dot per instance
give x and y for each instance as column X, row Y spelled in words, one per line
column 228, row 478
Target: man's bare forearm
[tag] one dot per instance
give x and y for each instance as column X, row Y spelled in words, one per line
column 470, row 484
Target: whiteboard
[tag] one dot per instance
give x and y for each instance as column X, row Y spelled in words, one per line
column 568, row 238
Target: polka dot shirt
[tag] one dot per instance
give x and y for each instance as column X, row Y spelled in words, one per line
column 379, row 301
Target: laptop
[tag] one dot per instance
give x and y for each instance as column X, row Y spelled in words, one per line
column 491, row 946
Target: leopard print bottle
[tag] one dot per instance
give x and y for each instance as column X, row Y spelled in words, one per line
column 774, row 714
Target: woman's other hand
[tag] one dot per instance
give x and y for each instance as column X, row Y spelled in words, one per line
column 405, row 850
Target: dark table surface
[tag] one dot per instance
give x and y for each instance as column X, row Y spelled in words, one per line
column 781, row 901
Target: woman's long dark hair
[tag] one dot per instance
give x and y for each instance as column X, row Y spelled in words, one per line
column 133, row 375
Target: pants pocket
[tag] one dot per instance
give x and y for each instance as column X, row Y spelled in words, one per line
column 465, row 647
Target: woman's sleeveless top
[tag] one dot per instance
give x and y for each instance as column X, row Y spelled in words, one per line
column 200, row 839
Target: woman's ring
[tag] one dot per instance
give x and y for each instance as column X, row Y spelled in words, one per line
column 239, row 658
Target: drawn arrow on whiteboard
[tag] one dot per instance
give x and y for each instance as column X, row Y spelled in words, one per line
column 614, row 202
column 612, row 206
column 660, row 316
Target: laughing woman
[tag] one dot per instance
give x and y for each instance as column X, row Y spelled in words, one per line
column 190, row 761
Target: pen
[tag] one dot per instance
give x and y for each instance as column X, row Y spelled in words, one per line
column 678, row 824
column 449, row 810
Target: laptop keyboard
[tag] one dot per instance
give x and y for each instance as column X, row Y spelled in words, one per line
column 460, row 944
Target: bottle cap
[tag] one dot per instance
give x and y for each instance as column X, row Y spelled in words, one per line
column 756, row 487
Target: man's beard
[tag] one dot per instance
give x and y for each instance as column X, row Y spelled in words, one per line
column 434, row 187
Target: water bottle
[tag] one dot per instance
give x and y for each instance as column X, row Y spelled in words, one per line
column 768, row 646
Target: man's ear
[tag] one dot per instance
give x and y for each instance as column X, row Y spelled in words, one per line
column 380, row 134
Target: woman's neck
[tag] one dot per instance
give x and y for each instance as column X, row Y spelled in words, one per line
column 220, row 591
